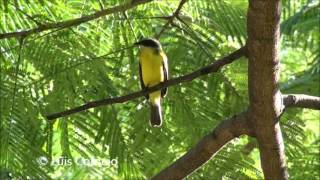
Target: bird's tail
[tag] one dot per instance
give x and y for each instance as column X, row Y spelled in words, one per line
column 155, row 108
column 156, row 117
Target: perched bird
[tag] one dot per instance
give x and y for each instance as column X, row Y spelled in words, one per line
column 153, row 69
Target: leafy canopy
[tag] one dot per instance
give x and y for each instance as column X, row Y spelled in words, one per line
column 59, row 69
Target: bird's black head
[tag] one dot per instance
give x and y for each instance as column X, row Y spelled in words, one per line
column 148, row 42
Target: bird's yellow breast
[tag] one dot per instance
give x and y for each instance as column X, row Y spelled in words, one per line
column 151, row 66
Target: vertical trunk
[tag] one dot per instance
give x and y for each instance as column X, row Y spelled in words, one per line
column 265, row 97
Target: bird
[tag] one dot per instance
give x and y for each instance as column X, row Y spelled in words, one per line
column 153, row 69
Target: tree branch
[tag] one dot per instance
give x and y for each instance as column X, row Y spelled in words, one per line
column 75, row 22
column 206, row 148
column 302, row 101
column 171, row 18
column 214, row 67
column 263, row 27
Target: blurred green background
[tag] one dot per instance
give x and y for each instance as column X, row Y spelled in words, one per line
column 59, row 69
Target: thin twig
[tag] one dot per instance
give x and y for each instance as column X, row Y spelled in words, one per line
column 27, row 41
column 171, row 18
column 82, row 61
column 76, row 21
column 28, row 16
column 130, row 25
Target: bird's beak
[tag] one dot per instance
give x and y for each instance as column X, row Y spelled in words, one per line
column 137, row 43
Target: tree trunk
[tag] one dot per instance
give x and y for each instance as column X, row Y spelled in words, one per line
column 265, row 98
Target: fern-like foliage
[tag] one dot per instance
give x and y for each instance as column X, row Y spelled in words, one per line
column 59, row 69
